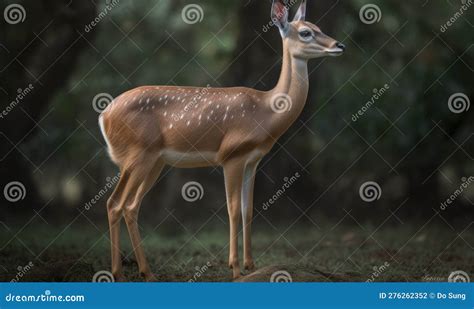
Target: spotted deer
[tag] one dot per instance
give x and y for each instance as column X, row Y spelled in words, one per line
column 149, row 127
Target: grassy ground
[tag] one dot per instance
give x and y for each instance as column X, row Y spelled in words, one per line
column 332, row 253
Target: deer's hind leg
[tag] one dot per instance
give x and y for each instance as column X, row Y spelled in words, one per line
column 115, row 212
column 142, row 178
column 136, row 180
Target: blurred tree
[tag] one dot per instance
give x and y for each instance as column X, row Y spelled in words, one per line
column 42, row 51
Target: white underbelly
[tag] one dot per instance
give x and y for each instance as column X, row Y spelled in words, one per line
column 189, row 159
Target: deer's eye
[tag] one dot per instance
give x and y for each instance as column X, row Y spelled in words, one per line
column 305, row 34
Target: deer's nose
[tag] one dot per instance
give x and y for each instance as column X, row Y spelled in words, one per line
column 341, row 46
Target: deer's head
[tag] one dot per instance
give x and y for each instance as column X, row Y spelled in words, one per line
column 303, row 39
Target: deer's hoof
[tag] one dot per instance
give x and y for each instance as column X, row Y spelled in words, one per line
column 236, row 273
column 249, row 265
column 120, row 278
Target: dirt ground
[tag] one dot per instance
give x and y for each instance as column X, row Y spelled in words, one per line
column 333, row 253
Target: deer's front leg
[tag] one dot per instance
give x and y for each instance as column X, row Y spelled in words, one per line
column 233, row 174
column 247, row 212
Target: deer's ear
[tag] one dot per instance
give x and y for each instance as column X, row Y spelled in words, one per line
column 301, row 13
column 280, row 16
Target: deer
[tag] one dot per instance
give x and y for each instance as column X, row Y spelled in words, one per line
column 150, row 127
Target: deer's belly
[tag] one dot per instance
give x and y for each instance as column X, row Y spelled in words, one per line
column 189, row 159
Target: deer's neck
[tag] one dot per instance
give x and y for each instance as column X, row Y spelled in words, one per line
column 293, row 82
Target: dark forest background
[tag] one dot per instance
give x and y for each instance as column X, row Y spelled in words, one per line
column 409, row 141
